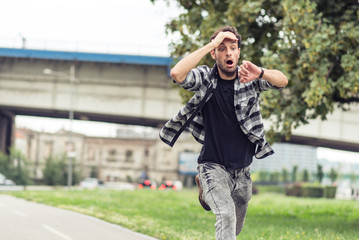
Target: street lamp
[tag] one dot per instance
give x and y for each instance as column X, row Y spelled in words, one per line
column 70, row 146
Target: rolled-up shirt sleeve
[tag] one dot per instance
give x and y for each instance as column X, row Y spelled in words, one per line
column 194, row 78
column 264, row 85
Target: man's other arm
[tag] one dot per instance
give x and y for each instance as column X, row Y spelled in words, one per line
column 249, row 71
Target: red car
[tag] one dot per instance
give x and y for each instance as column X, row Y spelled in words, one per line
column 168, row 185
column 147, row 184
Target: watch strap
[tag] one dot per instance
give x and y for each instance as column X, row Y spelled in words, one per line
column 261, row 75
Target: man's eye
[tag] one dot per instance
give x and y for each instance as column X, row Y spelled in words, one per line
column 220, row 49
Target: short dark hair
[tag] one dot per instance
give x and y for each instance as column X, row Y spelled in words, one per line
column 227, row 29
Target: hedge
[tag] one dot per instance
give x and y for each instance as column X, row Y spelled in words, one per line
column 310, row 190
column 329, row 191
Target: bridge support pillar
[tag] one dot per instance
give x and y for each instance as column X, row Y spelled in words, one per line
column 7, row 131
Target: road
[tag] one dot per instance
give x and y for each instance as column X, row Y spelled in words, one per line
column 24, row 220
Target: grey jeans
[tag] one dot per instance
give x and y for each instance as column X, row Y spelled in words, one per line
column 227, row 193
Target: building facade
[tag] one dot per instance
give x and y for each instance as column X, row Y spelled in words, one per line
column 129, row 155
column 110, row 159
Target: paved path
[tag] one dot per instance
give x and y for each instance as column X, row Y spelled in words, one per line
column 24, row 220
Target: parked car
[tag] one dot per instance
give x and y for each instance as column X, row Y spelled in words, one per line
column 6, row 181
column 9, row 182
column 175, row 185
column 2, row 179
column 147, row 183
column 89, row 183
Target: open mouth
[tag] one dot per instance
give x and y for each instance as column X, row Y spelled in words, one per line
column 229, row 62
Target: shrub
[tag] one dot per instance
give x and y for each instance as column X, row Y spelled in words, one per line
column 329, row 191
column 312, row 191
column 305, row 190
column 56, row 171
column 15, row 167
column 271, row 188
column 294, row 189
column 254, row 189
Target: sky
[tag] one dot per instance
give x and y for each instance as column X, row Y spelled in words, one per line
column 334, row 155
column 113, row 26
column 134, row 27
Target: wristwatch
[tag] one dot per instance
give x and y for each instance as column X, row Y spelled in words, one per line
column 262, row 72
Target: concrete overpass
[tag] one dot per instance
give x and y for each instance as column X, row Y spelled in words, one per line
column 120, row 89
column 108, row 87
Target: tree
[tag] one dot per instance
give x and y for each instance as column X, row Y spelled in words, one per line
column 333, row 174
column 315, row 43
column 294, row 173
column 305, row 176
column 320, row 173
column 15, row 167
column 285, row 175
column 274, row 177
column 263, row 176
column 55, row 171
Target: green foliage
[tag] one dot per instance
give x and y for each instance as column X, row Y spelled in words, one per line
column 179, row 216
column 285, row 175
column 329, row 191
column 320, row 173
column 15, row 167
column 305, row 175
column 315, row 43
column 294, row 173
column 270, row 189
column 274, row 177
column 333, row 174
column 310, row 190
column 293, row 190
column 56, row 171
column 263, row 176
column 266, row 177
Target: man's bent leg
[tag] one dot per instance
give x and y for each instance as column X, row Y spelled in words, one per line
column 217, row 185
column 241, row 211
column 241, row 196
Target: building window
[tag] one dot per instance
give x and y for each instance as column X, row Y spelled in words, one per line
column 112, row 153
column 129, row 156
column 91, row 154
column 48, row 149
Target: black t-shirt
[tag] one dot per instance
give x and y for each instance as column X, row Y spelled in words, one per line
column 224, row 143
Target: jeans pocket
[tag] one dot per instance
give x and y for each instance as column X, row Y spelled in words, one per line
column 245, row 187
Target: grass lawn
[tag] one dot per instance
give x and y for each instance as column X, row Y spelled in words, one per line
column 178, row 215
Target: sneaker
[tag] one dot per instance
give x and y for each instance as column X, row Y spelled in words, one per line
column 203, row 203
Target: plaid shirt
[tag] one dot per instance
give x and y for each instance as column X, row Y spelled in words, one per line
column 202, row 80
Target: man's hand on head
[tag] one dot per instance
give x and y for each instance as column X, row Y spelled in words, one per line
column 248, row 71
column 221, row 36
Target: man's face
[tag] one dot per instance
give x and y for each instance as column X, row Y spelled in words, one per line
column 226, row 56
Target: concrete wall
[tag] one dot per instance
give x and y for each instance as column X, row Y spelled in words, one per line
column 6, row 131
column 118, row 92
